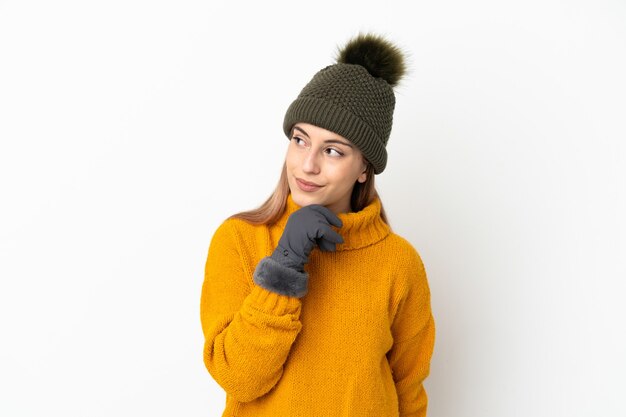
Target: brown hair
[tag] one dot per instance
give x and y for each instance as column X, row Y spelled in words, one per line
column 274, row 207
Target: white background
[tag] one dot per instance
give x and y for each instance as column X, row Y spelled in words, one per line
column 130, row 129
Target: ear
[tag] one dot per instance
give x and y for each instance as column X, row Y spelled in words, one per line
column 363, row 177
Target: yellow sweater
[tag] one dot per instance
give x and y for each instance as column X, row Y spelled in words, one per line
column 359, row 343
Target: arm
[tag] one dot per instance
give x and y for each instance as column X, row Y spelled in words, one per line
column 413, row 331
column 248, row 331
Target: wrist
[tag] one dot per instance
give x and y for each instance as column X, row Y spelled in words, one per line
column 288, row 258
column 276, row 277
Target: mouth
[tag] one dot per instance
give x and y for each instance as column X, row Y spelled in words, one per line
column 312, row 184
column 307, row 186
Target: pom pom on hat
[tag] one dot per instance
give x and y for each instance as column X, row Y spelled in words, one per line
column 379, row 57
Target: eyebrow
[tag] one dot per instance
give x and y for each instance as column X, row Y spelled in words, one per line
column 327, row 140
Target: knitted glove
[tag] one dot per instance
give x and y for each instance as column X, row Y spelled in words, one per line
column 283, row 271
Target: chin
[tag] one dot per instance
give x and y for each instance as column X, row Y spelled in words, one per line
column 302, row 199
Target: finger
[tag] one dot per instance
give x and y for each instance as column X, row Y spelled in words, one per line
column 330, row 235
column 326, row 245
column 328, row 214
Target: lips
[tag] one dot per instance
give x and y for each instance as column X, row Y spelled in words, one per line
column 312, row 184
column 306, row 186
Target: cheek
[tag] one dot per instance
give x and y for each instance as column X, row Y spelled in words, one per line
column 290, row 158
column 348, row 170
column 295, row 158
column 340, row 175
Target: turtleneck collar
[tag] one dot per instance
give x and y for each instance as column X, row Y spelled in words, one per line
column 359, row 229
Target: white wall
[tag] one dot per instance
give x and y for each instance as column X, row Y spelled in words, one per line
column 130, row 129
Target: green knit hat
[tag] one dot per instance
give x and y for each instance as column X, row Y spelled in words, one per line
column 354, row 97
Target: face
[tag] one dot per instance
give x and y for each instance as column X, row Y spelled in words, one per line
column 328, row 161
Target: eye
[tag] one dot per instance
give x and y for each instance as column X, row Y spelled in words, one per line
column 338, row 154
column 297, row 138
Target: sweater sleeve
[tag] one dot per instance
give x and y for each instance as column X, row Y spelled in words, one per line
column 248, row 330
column 413, row 330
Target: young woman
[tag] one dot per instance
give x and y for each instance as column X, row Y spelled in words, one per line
column 311, row 305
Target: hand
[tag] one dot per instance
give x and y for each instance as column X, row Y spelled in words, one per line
column 306, row 227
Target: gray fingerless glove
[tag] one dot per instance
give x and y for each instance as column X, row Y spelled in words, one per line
column 283, row 271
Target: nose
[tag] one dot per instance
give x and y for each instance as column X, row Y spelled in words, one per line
column 310, row 164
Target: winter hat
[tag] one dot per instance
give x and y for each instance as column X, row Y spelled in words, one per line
column 354, row 97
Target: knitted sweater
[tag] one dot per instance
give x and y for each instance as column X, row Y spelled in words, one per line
column 359, row 343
